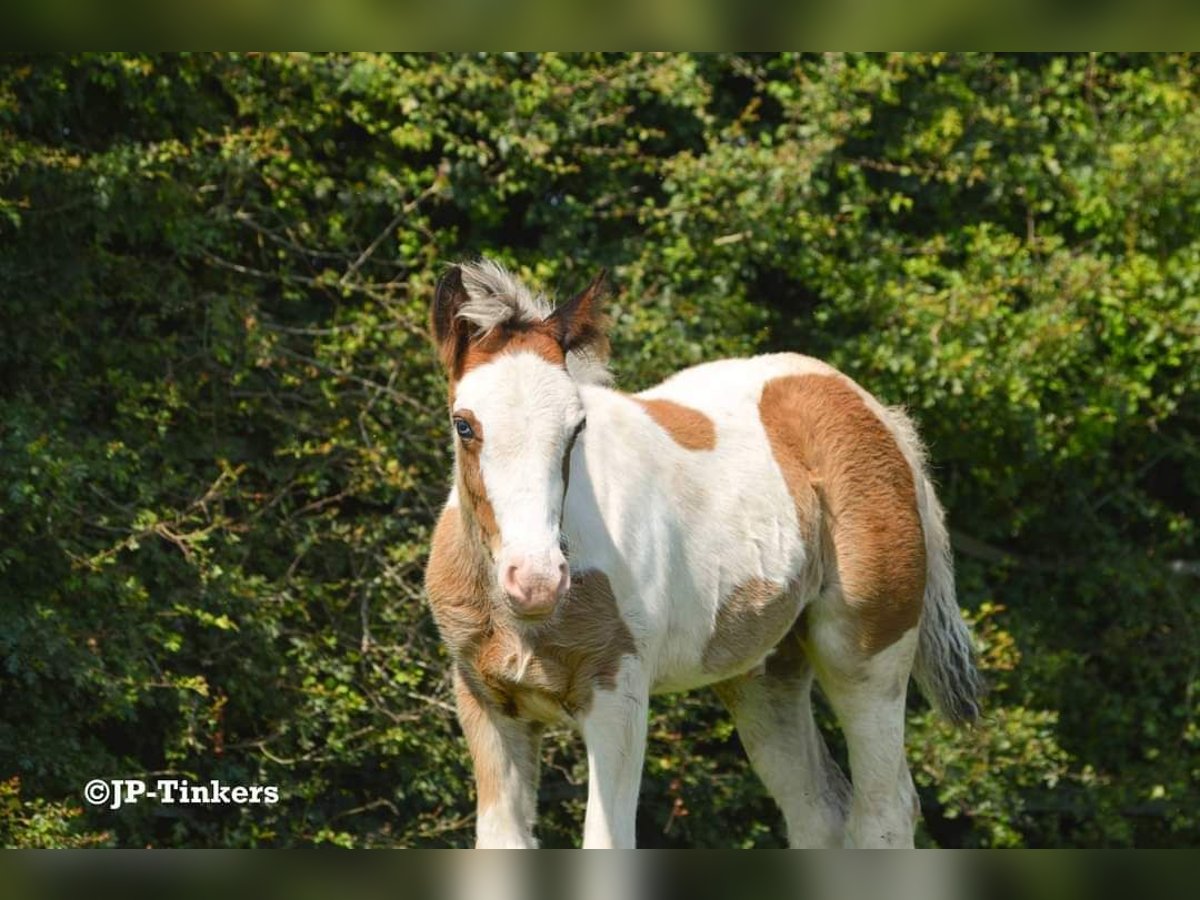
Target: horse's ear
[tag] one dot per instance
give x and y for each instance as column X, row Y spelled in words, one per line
column 450, row 333
column 580, row 323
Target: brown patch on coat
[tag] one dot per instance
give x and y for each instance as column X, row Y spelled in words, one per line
column 750, row 621
column 830, row 447
column 470, row 473
column 536, row 673
column 539, row 338
column 688, row 427
column 458, row 584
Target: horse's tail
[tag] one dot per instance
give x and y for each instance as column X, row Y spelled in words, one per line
column 945, row 667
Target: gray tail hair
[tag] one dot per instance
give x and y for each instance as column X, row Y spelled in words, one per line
column 945, row 666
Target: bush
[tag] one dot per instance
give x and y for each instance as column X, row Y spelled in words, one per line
column 224, row 441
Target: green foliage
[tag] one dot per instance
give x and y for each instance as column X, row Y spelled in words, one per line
column 41, row 824
column 224, row 442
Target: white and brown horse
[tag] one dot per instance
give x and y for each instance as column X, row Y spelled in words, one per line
column 748, row 524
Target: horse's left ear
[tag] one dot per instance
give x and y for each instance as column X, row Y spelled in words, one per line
column 579, row 323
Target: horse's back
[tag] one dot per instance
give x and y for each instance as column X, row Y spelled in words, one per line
column 731, row 385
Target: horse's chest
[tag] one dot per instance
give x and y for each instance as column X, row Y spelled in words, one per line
column 552, row 671
column 526, row 683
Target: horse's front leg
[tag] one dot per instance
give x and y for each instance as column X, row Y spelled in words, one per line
column 614, row 730
column 504, row 752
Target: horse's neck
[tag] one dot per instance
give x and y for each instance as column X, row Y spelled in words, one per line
column 474, row 551
column 609, row 467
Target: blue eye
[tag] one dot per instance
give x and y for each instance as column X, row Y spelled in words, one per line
column 465, row 431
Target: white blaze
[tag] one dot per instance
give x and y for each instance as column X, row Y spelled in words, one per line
column 527, row 409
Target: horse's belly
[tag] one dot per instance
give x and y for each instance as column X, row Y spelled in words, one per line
column 749, row 623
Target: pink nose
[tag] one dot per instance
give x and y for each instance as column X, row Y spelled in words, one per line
column 534, row 590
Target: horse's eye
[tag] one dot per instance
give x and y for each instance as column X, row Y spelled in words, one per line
column 464, row 429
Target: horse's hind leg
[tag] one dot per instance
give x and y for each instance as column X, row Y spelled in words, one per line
column 772, row 709
column 868, row 694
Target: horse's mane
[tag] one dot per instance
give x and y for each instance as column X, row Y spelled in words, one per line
column 498, row 298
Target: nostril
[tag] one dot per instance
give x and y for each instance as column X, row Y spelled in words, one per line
column 511, row 586
column 564, row 579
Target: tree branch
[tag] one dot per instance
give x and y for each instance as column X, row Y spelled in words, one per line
column 982, row 550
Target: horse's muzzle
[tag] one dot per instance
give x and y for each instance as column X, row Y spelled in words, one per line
column 534, row 587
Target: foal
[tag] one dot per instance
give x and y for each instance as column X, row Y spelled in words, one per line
column 748, row 524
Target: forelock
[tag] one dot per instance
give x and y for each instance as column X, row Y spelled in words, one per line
column 497, row 297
